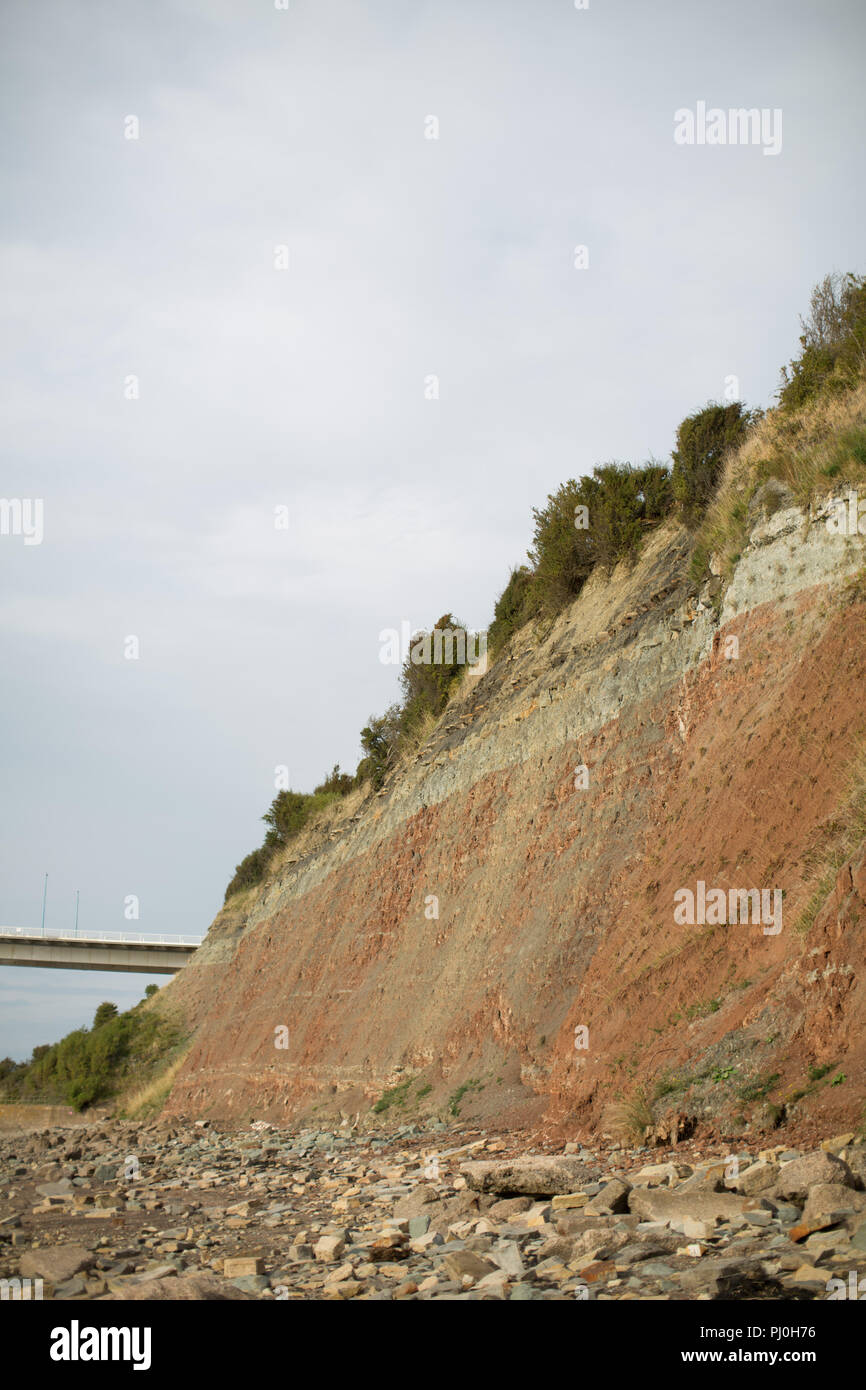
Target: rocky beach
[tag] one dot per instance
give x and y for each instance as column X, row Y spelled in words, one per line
column 169, row 1211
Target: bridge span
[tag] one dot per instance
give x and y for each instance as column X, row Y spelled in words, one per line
column 122, row 951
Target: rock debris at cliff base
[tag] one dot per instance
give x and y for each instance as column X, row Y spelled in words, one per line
column 122, row 1211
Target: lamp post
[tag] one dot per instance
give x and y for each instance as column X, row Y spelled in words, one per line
column 44, row 896
column 76, row 912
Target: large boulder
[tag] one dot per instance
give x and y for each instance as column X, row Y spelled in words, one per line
column 611, row 1200
column 656, row 1204
column 542, row 1175
column 831, row 1202
column 197, row 1288
column 414, row 1202
column 855, row 1157
column 758, row 1177
column 736, row 1280
column 660, row 1174
column 462, row 1264
column 798, row 1177
column 56, row 1263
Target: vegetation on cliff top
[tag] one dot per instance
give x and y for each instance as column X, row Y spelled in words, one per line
column 94, row 1064
column 425, row 685
column 815, row 439
column 833, row 343
column 722, row 455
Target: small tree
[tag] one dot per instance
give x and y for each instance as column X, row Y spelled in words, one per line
column 563, row 552
column 253, row 867
column 379, row 741
column 511, row 609
column 336, row 782
column 104, row 1014
column 434, row 662
column 624, row 500
column 833, row 342
column 703, row 441
column 150, row 991
column 596, row 521
column 287, row 814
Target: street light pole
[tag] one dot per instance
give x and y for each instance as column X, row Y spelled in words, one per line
column 76, row 912
column 44, row 896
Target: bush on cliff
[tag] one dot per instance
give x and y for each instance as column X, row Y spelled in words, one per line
column 814, row 440
column 434, row 663
column 251, row 870
column 563, row 549
column 511, row 609
column 704, row 440
column 436, row 660
column 285, row 818
column 379, row 740
column 626, row 501
column 599, row 520
column 336, row 783
column 602, row 518
column 90, row 1065
column 833, row 343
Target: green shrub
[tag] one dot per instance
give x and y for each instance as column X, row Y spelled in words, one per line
column 511, row 609
column 104, row 1014
column 336, row 783
column 456, row 1098
column 759, row 1087
column 287, row 814
column 250, row 871
column 286, row 817
column 816, row 1073
column 87, row 1066
column 398, row 1095
column 597, row 521
column 562, row 552
column 435, row 660
column 833, row 342
column 625, row 500
column 379, row 741
column 703, row 441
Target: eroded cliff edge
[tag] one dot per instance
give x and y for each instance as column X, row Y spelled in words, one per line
column 730, row 763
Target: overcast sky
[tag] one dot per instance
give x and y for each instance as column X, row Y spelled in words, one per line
column 257, row 387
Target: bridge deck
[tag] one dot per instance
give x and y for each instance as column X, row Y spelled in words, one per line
column 112, row 951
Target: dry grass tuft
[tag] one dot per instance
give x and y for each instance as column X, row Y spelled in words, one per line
column 629, row 1118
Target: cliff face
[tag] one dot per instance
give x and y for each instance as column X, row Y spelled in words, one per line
column 470, row 918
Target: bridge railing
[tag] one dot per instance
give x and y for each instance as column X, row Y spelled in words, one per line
column 120, row 938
